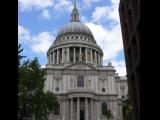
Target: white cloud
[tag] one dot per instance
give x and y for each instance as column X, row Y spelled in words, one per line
column 38, row 43
column 42, row 42
column 26, row 5
column 58, row 5
column 83, row 19
column 109, row 40
column 88, row 3
column 44, row 6
column 45, row 14
column 23, row 34
column 115, row 2
column 120, row 67
column 62, row 5
column 43, row 66
column 99, row 13
column 107, row 12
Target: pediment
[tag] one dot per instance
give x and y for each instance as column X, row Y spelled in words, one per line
column 81, row 66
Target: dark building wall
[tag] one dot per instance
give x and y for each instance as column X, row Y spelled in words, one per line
column 129, row 11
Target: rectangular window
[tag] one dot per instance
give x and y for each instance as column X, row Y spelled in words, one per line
column 80, row 81
column 57, row 109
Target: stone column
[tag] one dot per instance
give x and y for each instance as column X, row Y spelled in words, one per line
column 92, row 109
column 80, row 54
column 91, row 57
column 62, row 55
column 50, row 58
column 67, row 109
column 109, row 88
column 57, row 56
column 63, row 106
column 86, row 54
column 95, row 57
column 78, row 110
column 50, row 84
column 71, row 108
column 120, row 117
column 86, row 108
column 68, row 55
column 74, row 54
column 99, row 59
column 53, row 57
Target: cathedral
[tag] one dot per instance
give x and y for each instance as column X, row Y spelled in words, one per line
column 85, row 89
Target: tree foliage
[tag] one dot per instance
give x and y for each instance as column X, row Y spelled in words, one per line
column 20, row 56
column 127, row 110
column 32, row 100
column 109, row 114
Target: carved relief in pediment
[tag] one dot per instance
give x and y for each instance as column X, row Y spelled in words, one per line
column 80, row 67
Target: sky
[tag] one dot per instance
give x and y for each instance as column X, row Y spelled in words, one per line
column 40, row 20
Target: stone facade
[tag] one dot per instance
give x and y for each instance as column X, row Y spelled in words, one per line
column 76, row 76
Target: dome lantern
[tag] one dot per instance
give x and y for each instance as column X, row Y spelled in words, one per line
column 75, row 14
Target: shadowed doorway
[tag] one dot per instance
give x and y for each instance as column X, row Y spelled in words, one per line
column 82, row 115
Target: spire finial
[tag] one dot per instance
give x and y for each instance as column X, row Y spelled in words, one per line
column 75, row 3
column 75, row 14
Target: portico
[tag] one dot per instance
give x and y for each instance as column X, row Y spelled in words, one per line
column 81, row 108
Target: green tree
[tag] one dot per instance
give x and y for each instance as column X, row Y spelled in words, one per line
column 20, row 56
column 127, row 110
column 32, row 100
column 109, row 114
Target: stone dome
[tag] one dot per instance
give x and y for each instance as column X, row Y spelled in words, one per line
column 75, row 27
column 74, row 42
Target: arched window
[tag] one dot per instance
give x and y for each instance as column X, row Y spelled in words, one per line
column 80, row 81
column 57, row 109
column 104, row 108
column 57, row 89
column 103, row 90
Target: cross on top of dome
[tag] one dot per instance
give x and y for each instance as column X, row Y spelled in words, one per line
column 75, row 14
